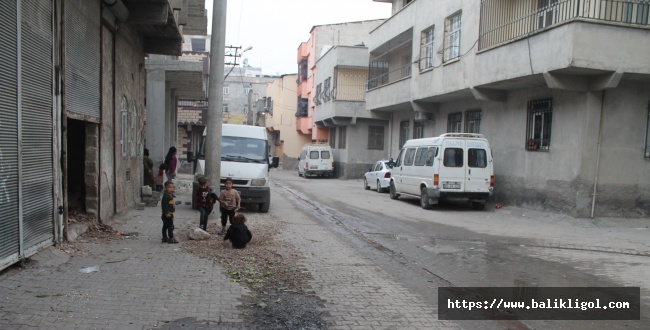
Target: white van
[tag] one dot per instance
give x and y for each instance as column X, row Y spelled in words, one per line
column 316, row 159
column 450, row 166
column 245, row 159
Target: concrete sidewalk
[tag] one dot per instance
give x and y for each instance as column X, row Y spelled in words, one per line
column 141, row 283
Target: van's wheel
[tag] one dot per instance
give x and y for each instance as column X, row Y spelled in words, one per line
column 379, row 189
column 424, row 199
column 264, row 207
column 478, row 206
column 393, row 192
column 365, row 184
column 299, row 173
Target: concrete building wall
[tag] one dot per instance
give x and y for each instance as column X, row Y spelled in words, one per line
column 353, row 161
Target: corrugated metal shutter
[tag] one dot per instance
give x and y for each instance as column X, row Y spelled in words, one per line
column 9, row 239
column 36, row 121
column 82, row 58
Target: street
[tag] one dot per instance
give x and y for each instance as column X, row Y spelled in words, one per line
column 364, row 261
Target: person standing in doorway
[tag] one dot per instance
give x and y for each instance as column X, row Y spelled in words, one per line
column 170, row 164
column 148, row 170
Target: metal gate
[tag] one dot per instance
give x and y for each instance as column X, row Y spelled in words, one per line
column 26, row 129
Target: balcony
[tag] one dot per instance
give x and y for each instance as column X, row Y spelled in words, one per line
column 304, row 125
column 503, row 21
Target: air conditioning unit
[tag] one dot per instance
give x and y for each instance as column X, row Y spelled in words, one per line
column 422, row 116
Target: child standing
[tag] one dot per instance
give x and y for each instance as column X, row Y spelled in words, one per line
column 229, row 201
column 238, row 233
column 168, row 209
column 204, row 203
column 158, row 180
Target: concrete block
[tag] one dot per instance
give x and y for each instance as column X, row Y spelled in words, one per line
column 146, row 191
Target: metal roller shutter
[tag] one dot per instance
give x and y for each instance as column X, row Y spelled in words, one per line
column 36, row 123
column 9, row 234
column 82, row 59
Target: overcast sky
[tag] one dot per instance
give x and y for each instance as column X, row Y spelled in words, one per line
column 275, row 28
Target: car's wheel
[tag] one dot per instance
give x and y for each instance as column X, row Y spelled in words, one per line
column 424, row 199
column 365, row 184
column 264, row 207
column 478, row 206
column 379, row 187
column 393, row 192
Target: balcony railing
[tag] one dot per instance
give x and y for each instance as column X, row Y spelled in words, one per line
column 505, row 20
column 389, row 77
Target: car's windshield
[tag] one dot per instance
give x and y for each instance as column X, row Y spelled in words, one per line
column 243, row 150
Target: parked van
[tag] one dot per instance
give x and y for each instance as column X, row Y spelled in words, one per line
column 245, row 159
column 316, row 159
column 450, row 166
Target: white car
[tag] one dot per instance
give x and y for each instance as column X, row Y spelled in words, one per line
column 378, row 177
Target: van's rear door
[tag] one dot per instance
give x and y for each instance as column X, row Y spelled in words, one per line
column 452, row 171
column 479, row 167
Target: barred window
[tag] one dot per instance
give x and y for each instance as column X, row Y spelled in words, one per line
column 473, row 121
column 426, row 49
column 376, row 137
column 403, row 132
column 224, row 109
column 454, row 122
column 538, row 131
column 418, row 129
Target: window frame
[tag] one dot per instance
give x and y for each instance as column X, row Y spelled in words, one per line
column 453, row 28
column 473, row 118
column 226, row 90
column 403, row 132
column 418, row 129
column 420, row 156
column 455, row 122
column 427, row 39
column 409, row 157
column 543, row 109
column 445, row 157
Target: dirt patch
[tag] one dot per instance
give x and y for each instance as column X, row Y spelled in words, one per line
column 280, row 294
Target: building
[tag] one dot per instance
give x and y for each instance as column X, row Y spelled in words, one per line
column 72, row 109
column 560, row 88
column 281, row 122
column 322, row 37
column 357, row 136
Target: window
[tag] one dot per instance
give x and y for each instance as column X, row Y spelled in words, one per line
column 454, row 122
column 246, row 109
column 418, row 129
column 376, row 137
column 377, row 73
column 647, row 135
column 546, row 13
column 538, row 132
column 476, row 158
column 473, row 121
column 403, row 132
column 313, row 154
column 421, row 156
column 452, row 37
column 225, row 108
column 226, row 90
column 319, row 89
column 124, row 129
column 636, row 13
column 332, row 136
column 453, row 157
column 426, row 49
column 324, row 154
column 342, row 137
column 399, row 158
column 431, row 154
column 406, row 66
column 410, row 155
column 198, row 45
column 247, row 90
column 302, row 71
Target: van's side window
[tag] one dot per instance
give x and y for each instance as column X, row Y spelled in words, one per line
column 431, row 153
column 410, row 155
column 453, row 157
column 420, row 156
column 324, row 154
column 399, row 158
column 476, row 158
column 313, row 154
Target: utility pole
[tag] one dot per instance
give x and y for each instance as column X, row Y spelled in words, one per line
column 215, row 94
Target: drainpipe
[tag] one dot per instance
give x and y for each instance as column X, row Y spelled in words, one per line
column 600, row 136
column 64, row 125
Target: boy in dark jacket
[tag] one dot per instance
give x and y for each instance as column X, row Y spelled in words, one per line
column 205, row 200
column 168, row 208
column 238, row 233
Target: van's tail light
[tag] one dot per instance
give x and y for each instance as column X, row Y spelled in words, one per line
column 491, row 181
column 436, row 177
column 387, row 175
column 306, row 164
column 332, row 164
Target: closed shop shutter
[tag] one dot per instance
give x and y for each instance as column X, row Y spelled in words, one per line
column 9, row 234
column 36, row 123
column 82, row 59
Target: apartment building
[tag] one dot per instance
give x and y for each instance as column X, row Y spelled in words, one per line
column 355, row 134
column 322, row 37
column 561, row 88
